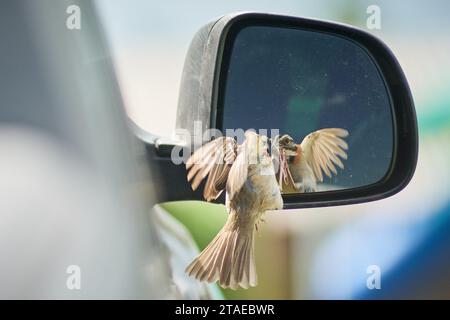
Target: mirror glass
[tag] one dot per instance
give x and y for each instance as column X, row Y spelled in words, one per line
column 299, row 82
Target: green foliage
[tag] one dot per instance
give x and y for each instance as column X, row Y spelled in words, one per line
column 202, row 219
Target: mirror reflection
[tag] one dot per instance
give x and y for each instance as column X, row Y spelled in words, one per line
column 325, row 96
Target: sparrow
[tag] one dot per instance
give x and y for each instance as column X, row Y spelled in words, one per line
column 319, row 152
column 247, row 175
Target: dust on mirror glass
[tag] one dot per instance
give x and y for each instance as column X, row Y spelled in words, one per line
column 320, row 99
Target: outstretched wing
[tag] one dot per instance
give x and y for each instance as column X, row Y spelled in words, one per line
column 322, row 150
column 214, row 159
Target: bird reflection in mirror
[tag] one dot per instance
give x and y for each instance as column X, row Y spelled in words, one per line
column 302, row 165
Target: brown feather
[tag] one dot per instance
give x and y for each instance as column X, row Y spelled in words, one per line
column 213, row 160
column 322, row 150
column 298, row 156
column 229, row 258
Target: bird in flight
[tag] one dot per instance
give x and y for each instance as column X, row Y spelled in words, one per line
column 247, row 175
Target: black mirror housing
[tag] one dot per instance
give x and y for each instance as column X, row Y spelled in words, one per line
column 205, row 73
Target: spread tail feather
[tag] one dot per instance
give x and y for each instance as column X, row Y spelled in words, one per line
column 229, row 258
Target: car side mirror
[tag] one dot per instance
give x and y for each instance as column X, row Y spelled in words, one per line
column 335, row 92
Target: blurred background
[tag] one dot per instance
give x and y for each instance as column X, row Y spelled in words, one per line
column 73, row 193
column 326, row 252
